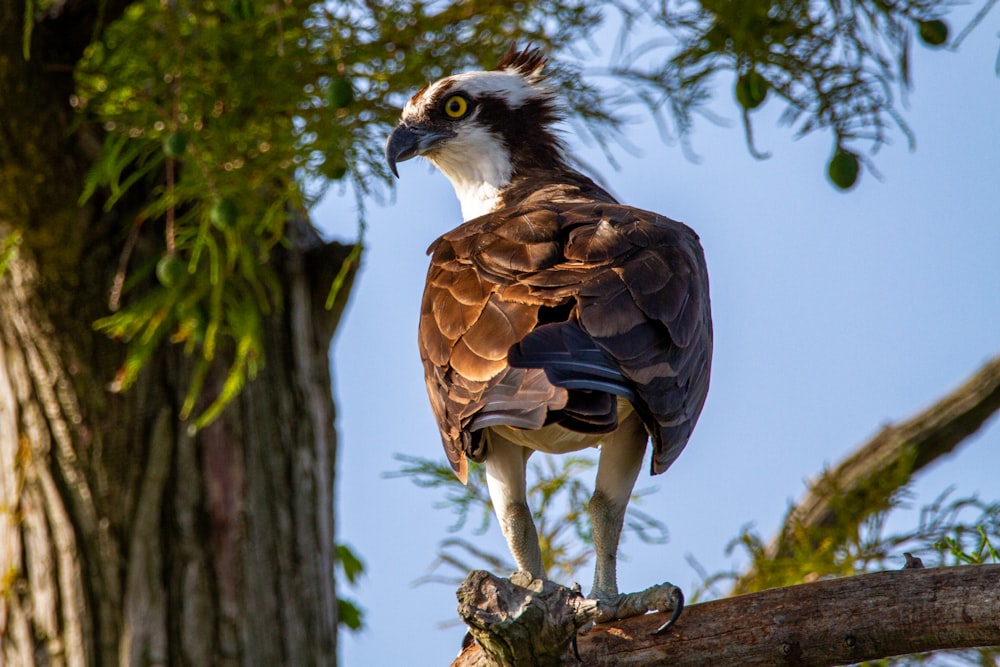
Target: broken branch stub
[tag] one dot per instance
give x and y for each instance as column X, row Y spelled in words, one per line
column 526, row 621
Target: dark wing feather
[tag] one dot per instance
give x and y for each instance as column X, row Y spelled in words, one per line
column 646, row 304
column 571, row 359
column 631, row 291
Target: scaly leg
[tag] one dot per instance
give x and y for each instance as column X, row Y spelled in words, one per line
column 505, row 477
column 617, row 470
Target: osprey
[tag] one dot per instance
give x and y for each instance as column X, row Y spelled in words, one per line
column 555, row 318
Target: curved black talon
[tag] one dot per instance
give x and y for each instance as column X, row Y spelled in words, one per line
column 678, row 608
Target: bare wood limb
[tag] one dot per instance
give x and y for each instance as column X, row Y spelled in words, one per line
column 833, row 622
column 528, row 621
column 522, row 620
column 916, row 442
column 864, row 481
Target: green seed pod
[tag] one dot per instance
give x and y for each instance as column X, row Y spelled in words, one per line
column 933, row 33
column 334, row 170
column 751, row 90
column 169, row 270
column 174, row 144
column 843, row 169
column 340, row 94
column 223, row 214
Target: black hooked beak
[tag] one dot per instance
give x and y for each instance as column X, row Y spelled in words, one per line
column 409, row 141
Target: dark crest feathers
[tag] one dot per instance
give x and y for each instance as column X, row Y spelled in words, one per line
column 528, row 61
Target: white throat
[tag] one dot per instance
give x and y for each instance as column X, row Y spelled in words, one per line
column 478, row 166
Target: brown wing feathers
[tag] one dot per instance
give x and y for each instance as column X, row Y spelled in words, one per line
column 633, row 288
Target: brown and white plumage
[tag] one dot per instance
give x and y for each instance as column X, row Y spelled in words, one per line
column 554, row 318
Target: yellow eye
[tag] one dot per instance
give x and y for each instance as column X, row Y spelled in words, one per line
column 456, row 106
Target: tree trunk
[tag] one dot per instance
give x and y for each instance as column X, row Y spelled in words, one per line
column 125, row 540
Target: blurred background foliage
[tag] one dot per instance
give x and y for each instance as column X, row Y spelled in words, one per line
column 558, row 498
column 949, row 531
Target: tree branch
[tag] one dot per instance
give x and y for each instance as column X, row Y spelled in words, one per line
column 864, row 482
column 833, row 622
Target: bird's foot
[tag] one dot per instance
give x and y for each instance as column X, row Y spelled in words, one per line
column 662, row 597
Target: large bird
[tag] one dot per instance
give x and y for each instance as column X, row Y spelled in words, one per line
column 555, row 318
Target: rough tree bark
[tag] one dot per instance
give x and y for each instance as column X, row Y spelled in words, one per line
column 832, row 622
column 123, row 539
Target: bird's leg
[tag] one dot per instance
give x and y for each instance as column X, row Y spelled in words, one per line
column 505, row 477
column 617, row 470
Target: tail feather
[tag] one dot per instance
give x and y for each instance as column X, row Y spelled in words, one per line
column 571, row 359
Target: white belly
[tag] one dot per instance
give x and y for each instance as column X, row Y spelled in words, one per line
column 556, row 439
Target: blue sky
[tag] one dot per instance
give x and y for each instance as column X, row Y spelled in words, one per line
column 834, row 314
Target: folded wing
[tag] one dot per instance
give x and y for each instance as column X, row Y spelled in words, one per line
column 548, row 312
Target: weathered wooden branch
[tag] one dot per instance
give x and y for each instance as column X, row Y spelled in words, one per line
column 527, row 621
column 864, row 481
column 832, row 622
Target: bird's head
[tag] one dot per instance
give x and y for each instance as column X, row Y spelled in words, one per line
column 482, row 128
